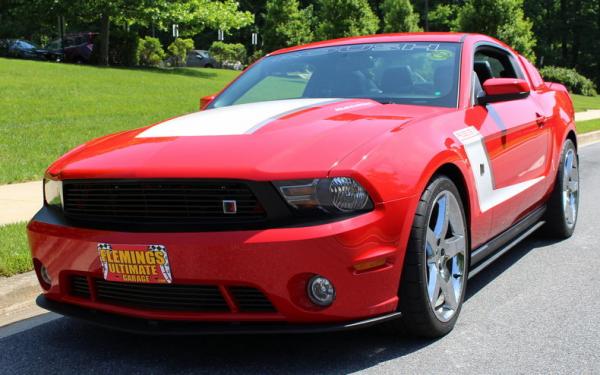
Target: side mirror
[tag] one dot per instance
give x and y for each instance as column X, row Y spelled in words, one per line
column 205, row 101
column 504, row 89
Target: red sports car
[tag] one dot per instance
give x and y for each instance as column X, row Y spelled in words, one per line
column 331, row 186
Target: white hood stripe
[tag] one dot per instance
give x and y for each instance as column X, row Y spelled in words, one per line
column 232, row 120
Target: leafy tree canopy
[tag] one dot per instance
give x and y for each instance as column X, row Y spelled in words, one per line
column 343, row 18
column 398, row 16
column 286, row 24
column 503, row 19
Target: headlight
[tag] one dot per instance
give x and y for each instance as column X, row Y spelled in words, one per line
column 331, row 195
column 53, row 193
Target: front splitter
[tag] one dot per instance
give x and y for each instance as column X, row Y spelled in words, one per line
column 171, row 327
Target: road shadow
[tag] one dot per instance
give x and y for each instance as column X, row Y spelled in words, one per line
column 188, row 72
column 70, row 346
column 203, row 73
column 506, row 261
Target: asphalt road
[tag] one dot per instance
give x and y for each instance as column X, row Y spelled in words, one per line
column 534, row 311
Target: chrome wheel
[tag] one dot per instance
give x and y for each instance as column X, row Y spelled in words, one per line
column 445, row 250
column 570, row 188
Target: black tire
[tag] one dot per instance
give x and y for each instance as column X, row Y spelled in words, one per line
column 558, row 225
column 418, row 316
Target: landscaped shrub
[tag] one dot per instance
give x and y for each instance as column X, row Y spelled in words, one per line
column 223, row 52
column 179, row 50
column 257, row 55
column 150, row 52
column 575, row 82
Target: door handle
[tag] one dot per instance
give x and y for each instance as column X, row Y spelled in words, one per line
column 540, row 119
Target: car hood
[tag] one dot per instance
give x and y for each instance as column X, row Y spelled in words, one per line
column 299, row 138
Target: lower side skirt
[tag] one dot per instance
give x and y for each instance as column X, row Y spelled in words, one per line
column 168, row 327
column 499, row 245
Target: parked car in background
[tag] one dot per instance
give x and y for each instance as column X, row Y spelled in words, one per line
column 23, row 49
column 200, row 58
column 75, row 48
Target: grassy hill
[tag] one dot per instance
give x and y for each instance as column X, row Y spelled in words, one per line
column 47, row 108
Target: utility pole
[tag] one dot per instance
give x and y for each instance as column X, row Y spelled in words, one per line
column 254, row 41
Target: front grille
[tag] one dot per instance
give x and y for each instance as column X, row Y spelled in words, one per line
column 160, row 203
column 80, row 287
column 171, row 297
column 162, row 296
column 250, row 299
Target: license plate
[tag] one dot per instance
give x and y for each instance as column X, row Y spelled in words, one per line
column 146, row 264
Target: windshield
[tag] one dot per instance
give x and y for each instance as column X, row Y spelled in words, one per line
column 420, row 73
column 26, row 44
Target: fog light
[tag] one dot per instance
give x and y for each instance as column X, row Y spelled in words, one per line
column 320, row 291
column 45, row 276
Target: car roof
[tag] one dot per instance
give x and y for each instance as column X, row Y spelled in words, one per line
column 442, row 37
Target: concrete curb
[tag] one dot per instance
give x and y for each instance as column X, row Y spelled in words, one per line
column 17, row 297
column 587, row 138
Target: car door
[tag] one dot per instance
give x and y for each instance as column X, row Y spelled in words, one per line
column 517, row 143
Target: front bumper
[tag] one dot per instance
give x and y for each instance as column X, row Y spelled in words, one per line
column 278, row 262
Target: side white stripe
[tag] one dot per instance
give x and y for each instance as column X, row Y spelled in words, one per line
column 232, row 120
column 476, row 152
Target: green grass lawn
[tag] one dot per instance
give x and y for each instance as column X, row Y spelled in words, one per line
column 48, row 108
column 14, row 250
column 588, row 126
column 583, row 103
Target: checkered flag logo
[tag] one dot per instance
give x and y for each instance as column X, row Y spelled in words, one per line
column 104, row 246
column 164, row 268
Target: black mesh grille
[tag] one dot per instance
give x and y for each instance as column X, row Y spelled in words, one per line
column 162, row 296
column 250, row 299
column 152, row 202
column 80, row 287
column 171, row 297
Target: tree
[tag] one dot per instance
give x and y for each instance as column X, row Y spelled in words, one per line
column 398, row 16
column 343, row 18
column 192, row 15
column 503, row 19
column 196, row 15
column 569, row 33
column 443, row 17
column 286, row 24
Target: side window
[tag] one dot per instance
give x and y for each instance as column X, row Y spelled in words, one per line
column 493, row 62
